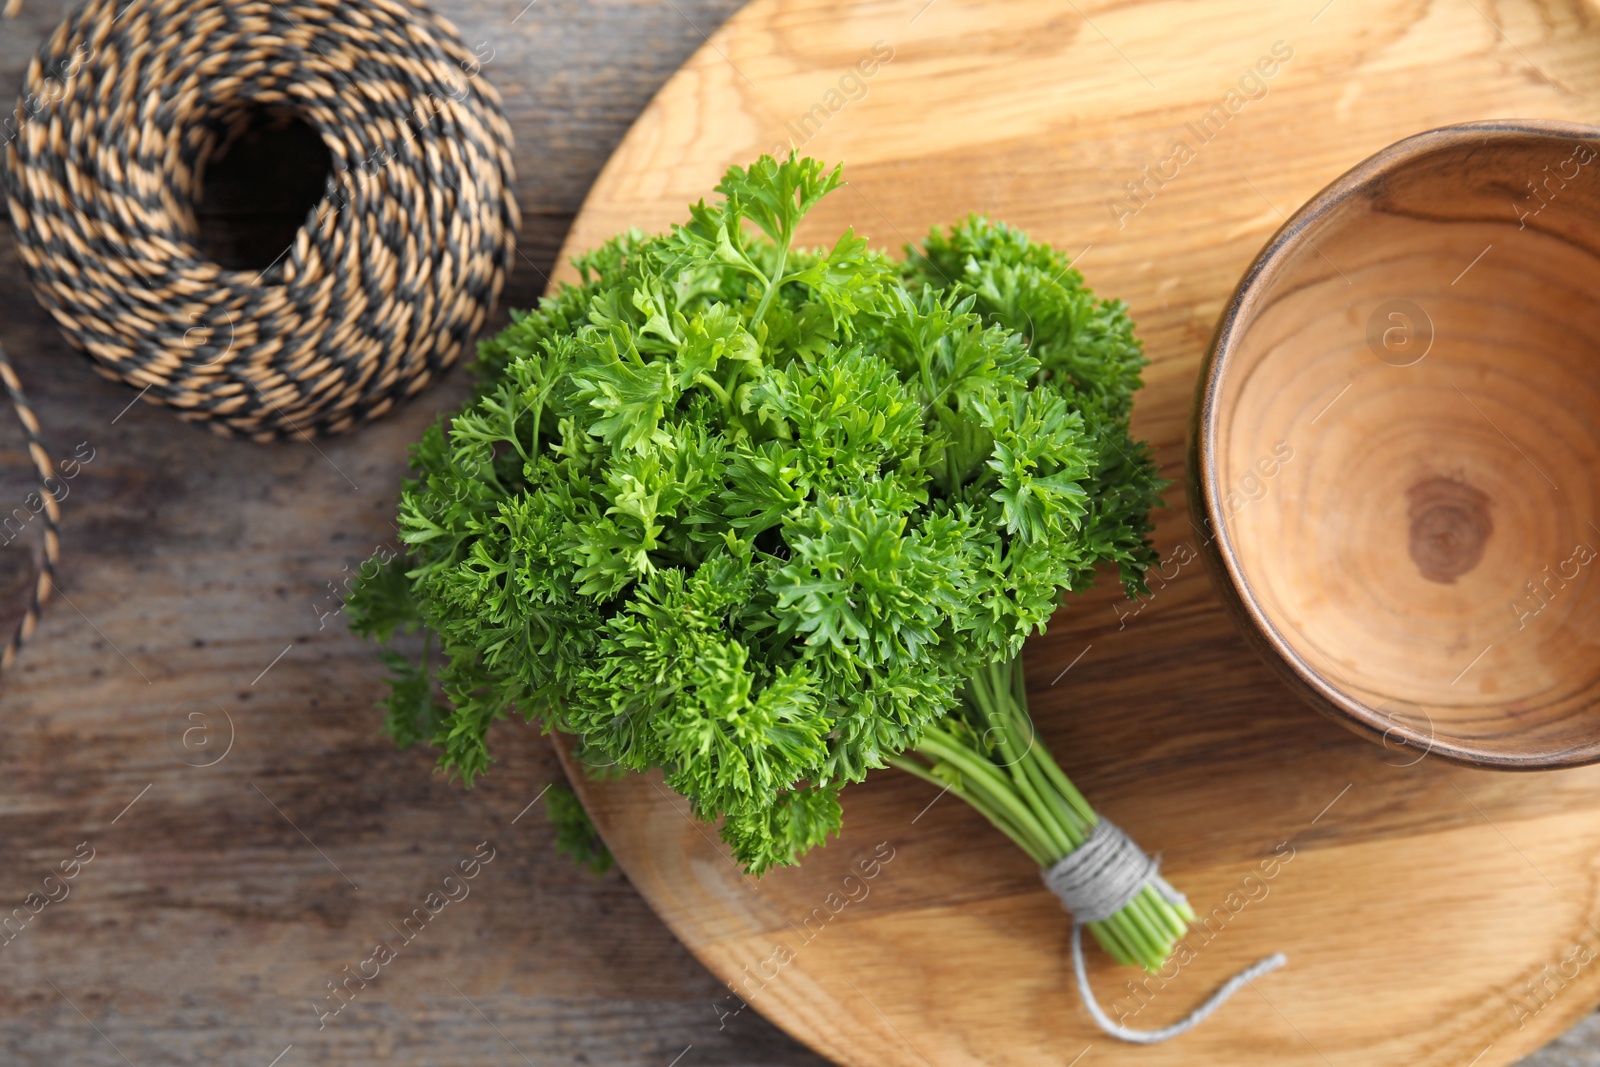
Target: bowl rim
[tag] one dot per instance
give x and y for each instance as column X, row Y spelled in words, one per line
column 1205, row 491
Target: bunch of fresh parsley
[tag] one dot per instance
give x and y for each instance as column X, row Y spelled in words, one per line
column 767, row 518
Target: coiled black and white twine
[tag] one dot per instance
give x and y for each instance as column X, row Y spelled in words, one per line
column 389, row 280
column 1099, row 879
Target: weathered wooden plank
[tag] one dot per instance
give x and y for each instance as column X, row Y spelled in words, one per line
column 207, row 923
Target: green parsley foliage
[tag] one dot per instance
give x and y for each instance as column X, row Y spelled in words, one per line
column 753, row 514
column 576, row 836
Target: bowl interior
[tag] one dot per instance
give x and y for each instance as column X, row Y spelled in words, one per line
column 1404, row 454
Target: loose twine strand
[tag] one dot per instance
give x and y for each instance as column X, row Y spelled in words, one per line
column 389, row 280
column 44, row 581
column 1099, row 879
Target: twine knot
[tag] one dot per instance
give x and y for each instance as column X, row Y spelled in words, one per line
column 1099, row 879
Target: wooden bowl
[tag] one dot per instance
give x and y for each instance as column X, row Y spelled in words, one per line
column 1396, row 446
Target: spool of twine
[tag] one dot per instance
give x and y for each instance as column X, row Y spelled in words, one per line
column 391, row 276
column 388, row 281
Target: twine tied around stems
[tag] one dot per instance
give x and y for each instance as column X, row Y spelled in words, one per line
column 1099, row 879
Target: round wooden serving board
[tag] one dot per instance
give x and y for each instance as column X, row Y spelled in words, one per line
column 1431, row 914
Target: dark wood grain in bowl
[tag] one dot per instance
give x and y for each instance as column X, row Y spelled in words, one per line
column 1395, row 446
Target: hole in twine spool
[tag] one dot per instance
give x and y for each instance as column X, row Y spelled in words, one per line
column 258, row 186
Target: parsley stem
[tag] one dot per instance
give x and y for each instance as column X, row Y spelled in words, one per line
column 990, row 755
column 1017, row 763
column 773, row 285
column 716, row 387
column 986, row 809
column 985, row 776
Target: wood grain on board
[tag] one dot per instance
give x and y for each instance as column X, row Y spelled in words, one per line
column 1431, row 914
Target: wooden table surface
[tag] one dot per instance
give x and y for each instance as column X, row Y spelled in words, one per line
column 231, row 885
